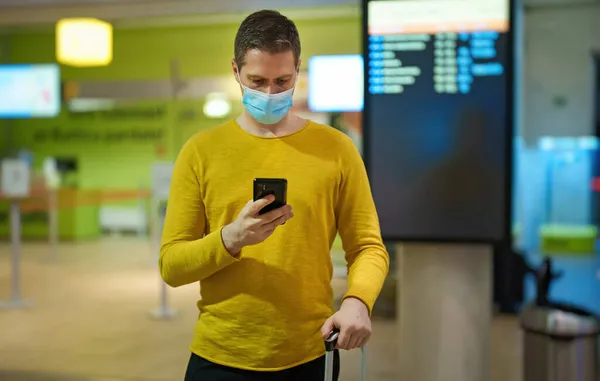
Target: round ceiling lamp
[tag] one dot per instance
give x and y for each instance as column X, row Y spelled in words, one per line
column 84, row 42
column 217, row 106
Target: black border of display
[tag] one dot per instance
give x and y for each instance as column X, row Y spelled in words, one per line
column 506, row 238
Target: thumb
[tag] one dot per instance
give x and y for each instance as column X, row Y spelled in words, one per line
column 327, row 328
column 257, row 205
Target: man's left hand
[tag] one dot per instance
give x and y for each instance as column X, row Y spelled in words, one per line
column 353, row 322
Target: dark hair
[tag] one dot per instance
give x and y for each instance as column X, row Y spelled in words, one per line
column 268, row 31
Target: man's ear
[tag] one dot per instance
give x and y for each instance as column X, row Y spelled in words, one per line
column 236, row 70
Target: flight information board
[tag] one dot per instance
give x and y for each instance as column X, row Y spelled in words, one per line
column 437, row 119
column 30, row 91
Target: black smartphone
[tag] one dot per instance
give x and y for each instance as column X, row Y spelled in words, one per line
column 276, row 187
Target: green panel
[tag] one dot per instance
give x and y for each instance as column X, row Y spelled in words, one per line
column 568, row 239
column 79, row 223
column 3, row 143
column 337, row 253
column 337, row 243
column 34, row 225
column 113, row 152
column 73, row 223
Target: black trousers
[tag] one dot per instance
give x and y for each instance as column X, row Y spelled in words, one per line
column 200, row 369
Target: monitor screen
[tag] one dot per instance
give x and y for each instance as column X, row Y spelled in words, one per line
column 29, row 91
column 437, row 123
column 335, row 83
column 66, row 164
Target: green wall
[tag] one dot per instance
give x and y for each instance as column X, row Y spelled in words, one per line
column 203, row 50
column 114, row 151
column 145, row 54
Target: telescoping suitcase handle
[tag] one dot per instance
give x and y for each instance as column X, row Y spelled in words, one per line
column 330, row 344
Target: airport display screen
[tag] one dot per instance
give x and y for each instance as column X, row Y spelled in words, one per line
column 29, row 91
column 438, row 119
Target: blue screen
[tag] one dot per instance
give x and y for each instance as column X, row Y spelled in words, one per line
column 29, row 91
column 437, row 121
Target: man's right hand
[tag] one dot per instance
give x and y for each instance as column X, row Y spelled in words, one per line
column 251, row 228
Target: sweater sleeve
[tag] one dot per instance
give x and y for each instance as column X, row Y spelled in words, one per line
column 358, row 225
column 187, row 255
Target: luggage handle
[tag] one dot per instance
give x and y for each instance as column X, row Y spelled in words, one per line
column 330, row 344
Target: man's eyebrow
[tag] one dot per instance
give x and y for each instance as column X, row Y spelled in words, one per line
column 258, row 77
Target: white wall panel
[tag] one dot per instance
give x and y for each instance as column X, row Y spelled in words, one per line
column 559, row 71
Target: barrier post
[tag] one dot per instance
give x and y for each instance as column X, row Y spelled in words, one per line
column 164, row 312
column 53, row 224
column 52, row 180
column 161, row 182
column 142, row 205
column 15, row 185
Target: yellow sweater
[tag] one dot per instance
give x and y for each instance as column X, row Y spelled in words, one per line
column 264, row 311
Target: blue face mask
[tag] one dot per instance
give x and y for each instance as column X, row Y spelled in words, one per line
column 267, row 108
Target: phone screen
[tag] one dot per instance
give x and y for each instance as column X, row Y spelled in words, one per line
column 276, row 187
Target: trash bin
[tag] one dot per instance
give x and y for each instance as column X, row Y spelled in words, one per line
column 560, row 340
column 560, row 343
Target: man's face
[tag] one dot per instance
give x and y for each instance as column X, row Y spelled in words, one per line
column 269, row 73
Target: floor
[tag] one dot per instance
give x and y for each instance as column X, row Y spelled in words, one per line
column 91, row 316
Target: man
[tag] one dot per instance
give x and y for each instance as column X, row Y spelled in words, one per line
column 266, row 296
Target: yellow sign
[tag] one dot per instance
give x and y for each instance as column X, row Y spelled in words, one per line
column 84, row 42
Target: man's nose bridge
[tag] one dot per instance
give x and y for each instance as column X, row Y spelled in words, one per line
column 271, row 89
